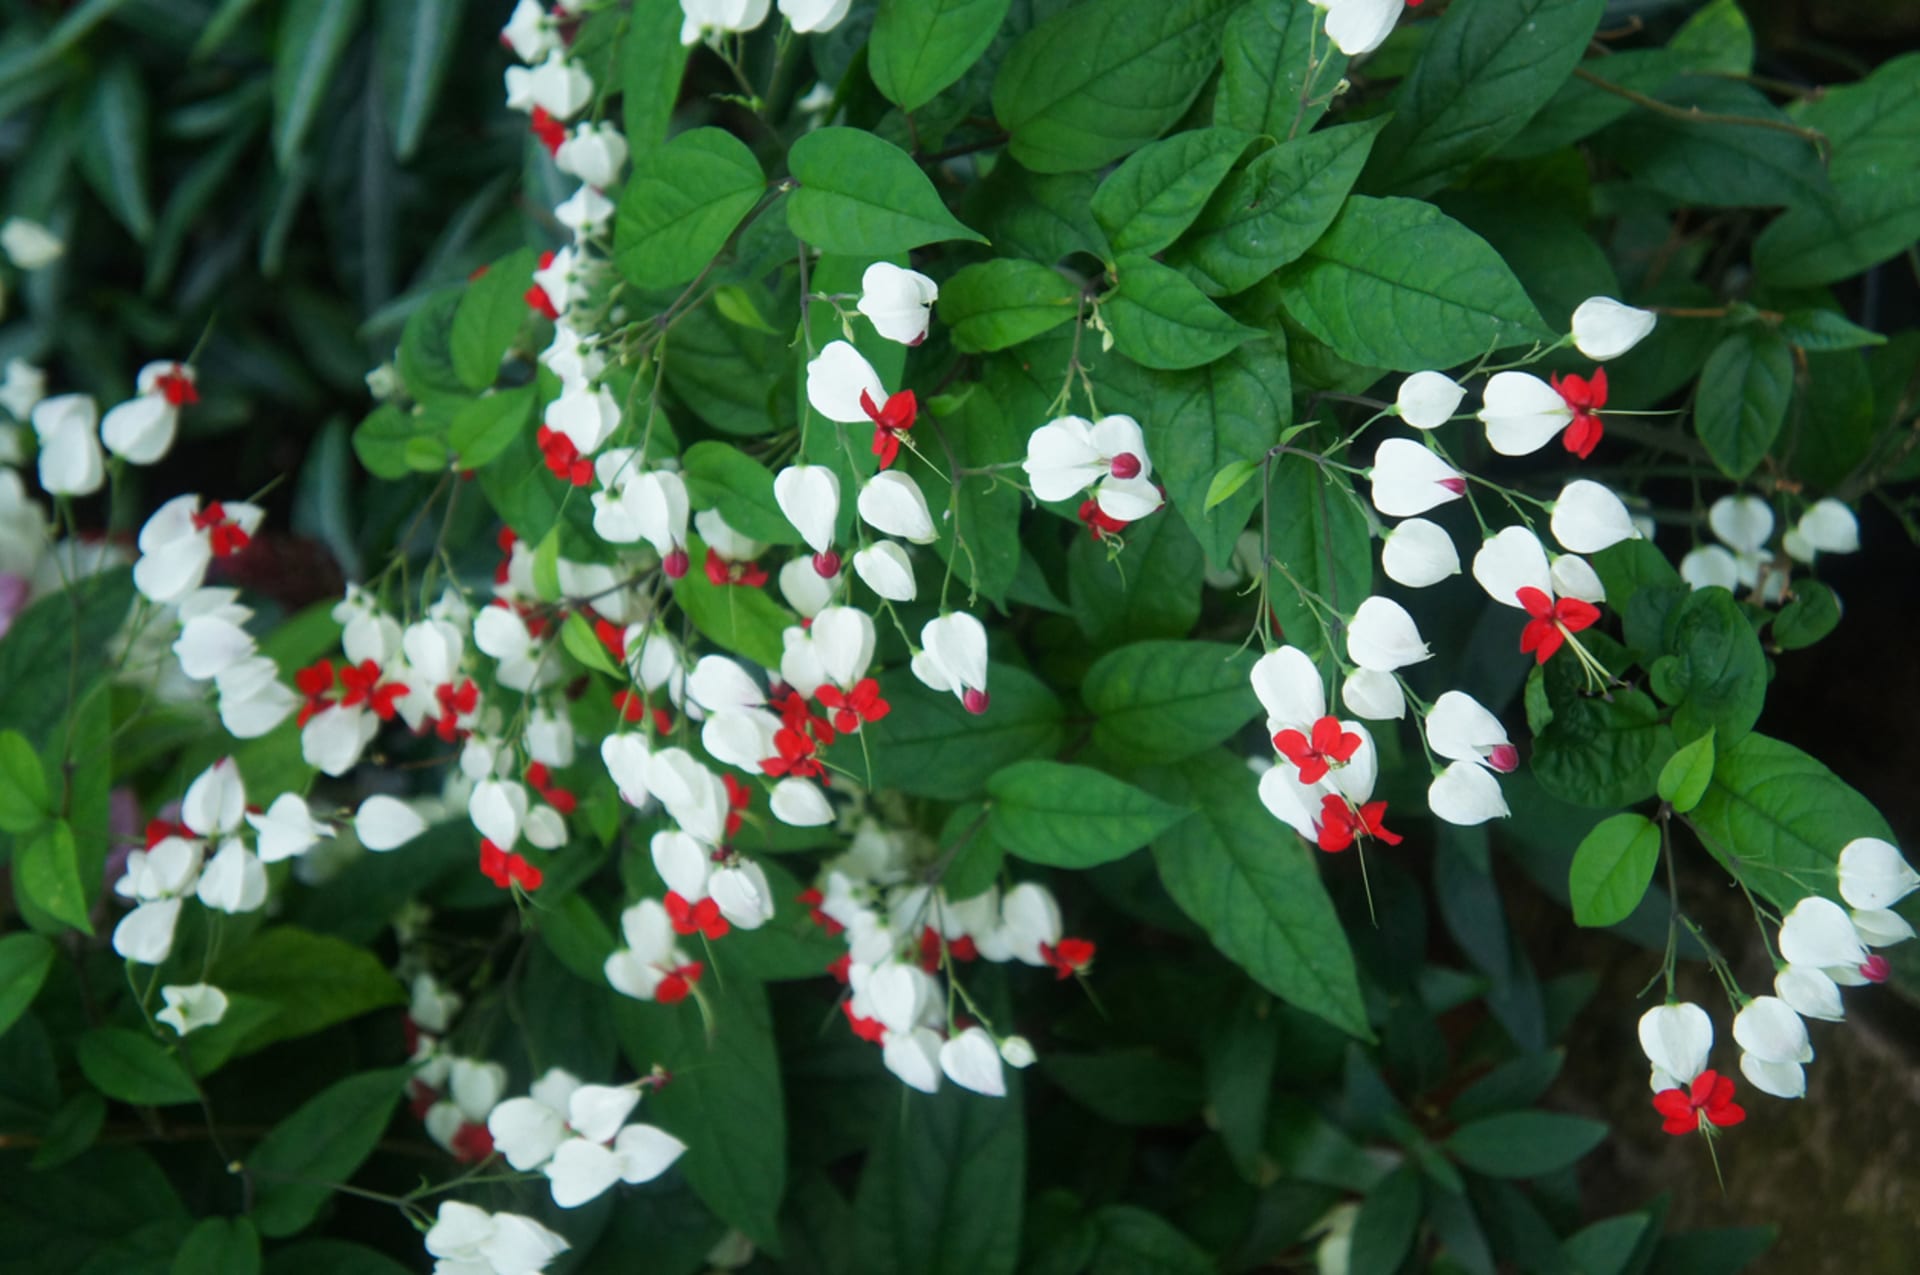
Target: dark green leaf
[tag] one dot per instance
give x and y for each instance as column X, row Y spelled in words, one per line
column 416, row 52
column 324, row 1141
column 1152, row 589
column 113, row 146
column 1603, row 750
column 976, row 856
column 1389, row 1216
column 1269, row 50
column 1612, row 869
column 862, row 195
column 994, row 304
column 1742, row 400
column 1162, row 701
column 931, row 746
column 1395, row 283
column 1516, row 1083
column 1862, row 221
column 24, row 962
column 1485, row 70
column 24, row 800
column 1724, row 1251
column 1274, row 209
column 220, row 1246
column 1153, row 196
column 1319, row 535
column 721, row 476
column 313, row 35
column 741, row 620
column 1607, row 1247
column 681, row 205
column 920, row 47
column 650, row 81
column 1135, row 1242
column 130, row 1066
column 1070, row 816
column 63, row 633
column 46, row 872
column 1707, row 161
column 315, row 979
column 1813, row 613
column 1826, row 330
column 1160, row 320
column 490, row 314
column 1253, row 887
column 1525, row 1144
column 725, row 1099
column 1719, row 673
column 487, row 426
column 1097, row 80
column 942, row 1189
column 71, row 1129
column 331, row 1257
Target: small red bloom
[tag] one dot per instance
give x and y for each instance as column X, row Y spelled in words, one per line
column 723, row 572
column 1068, row 957
column 1329, row 746
column 839, row 966
column 177, row 388
column 225, row 536
column 630, row 706
column 739, row 797
column 1554, row 619
column 362, row 685
column 796, row 755
column 551, row 132
column 314, row 682
column 868, row 1029
column 563, row 458
column 851, row 708
column 612, row 636
column 455, row 702
column 1876, row 968
column 890, row 420
column 678, row 984
column 796, row 714
column 1340, row 823
column 1585, row 397
column 1710, row 1103
column 420, row 1097
column 1125, row 465
column 159, row 830
column 472, row 1143
column 696, row 918
column 537, row 300
column 1096, row 520
column 811, row 899
column 505, row 869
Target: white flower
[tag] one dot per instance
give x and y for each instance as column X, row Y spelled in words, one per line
column 724, row 540
column 70, row 460
column 1522, row 413
column 1460, row 729
column 581, row 1170
column 498, row 809
column 1360, row 26
column 805, row 589
column 1710, row 566
column 192, row 1006
column 1767, row 1028
column 28, row 244
column 799, row 803
column 586, row 212
column 972, row 1061
column 1880, row 927
column 626, row 758
column 1874, row 874
column 1418, row 553
column 253, row 700
column 387, row 823
column 884, row 567
column 1465, row 794
column 22, row 387
column 838, row 379
column 556, row 85
column 1016, row 1051
column 1068, row 455
column 1810, row 992
column 234, row 880
column 891, row 502
column 1588, row 518
column 1410, row 479
column 1676, row 1039
column 595, row 153
column 1827, row 527
column 471, row 1241
column 694, row 797
column 1428, row 400
column 1382, row 636
column 145, row 935
column 287, row 829
column 718, row 683
column 141, row 430
column 809, row 496
column 1288, row 686
column 587, row 417
column 1819, row 933
column 898, row 302
column 1374, row 695
column 703, row 16
column 913, row 1056
column 1781, row 1079
column 181, row 540
column 530, row 32
column 1605, row 329
column 636, row 504
column 954, row 658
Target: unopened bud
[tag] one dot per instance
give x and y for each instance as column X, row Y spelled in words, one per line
column 826, row 565
column 1875, row 969
column 1125, row 465
column 675, row 564
column 1458, row 486
column 974, row 702
column 1504, row 758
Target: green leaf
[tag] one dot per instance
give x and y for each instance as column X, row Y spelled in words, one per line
column 47, row 871
column 1684, row 779
column 130, row 1066
column 64, row 633
column 1274, row 209
column 312, row 37
column 681, row 205
column 976, row 856
column 1135, row 1242
column 725, row 1099
column 1813, row 613
column 416, row 52
column 487, row 426
column 1486, row 69
column 1518, row 1082
column 1603, row 751
column 112, row 150
column 1779, row 818
column 1742, row 398
column 1152, row 589
column 862, row 195
column 1607, row 1247
column 1098, row 80
column 220, row 1246
column 1130, row 1087
column 721, row 476
column 1231, row 478
column 490, row 314
column 380, row 441
column 655, row 61
column 1525, row 1144
column 741, row 620
column 25, row 960
column 1612, row 868
column 1720, row 672
column 1254, row 888
column 920, row 47
column 1153, row 196
column 315, row 979
column 71, row 1129
column 577, row 636
column 995, row 304
column 736, row 305
column 931, row 746
column 425, row 356
column 332, row 1257
column 1269, row 50
column 1725, row 1250
column 1160, row 320
column 1862, row 222
column 1826, row 330
column 1395, row 283
column 1389, row 1217
column 24, row 801
column 1317, row 532
column 324, row 1141
column 942, row 1189
column 1071, row 816
column 1163, row 701
column 1705, row 161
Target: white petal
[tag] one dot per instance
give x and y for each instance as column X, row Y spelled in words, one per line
column 1361, row 26
column 1818, row 932
column 625, row 757
column 743, row 895
column 972, row 1061
column 192, row 1006
column 1810, row 992
column 892, row 503
column 717, row 683
column 581, row 1171
column 1374, row 695
column 1408, row 478
column 1428, row 400
column 799, row 803
column 1605, row 329
column 216, row 801
column 1709, row 567
column 1574, row 577
column 1062, row 460
column 1522, row 413
column 1881, row 927
column 1781, row 1079
column 1830, row 527
column 234, row 880
column 141, row 429
column 146, row 933
column 914, row 1057
column 1383, row 636
column 1509, row 562
column 898, row 302
column 387, row 823
column 1288, row 686
column 1460, row 729
column 1743, row 523
column 645, row 1152
column 959, row 643
column 805, row 589
column 844, row 638
column 1128, row 499
column 1677, row 1039
column 1768, row 1029
column 498, row 808
column 1290, row 801
column 682, row 863
column 1874, row 874
column 835, row 380
column 1589, row 517
column 883, row 566
column 596, row 1112
column 1465, row 794
column 1419, row 553
column 809, row 496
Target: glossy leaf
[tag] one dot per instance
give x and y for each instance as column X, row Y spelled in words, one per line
column 131, row 1066
column 1267, row 52
column 861, row 194
column 1717, row 677
column 1160, row 320
column 324, row 1141
column 1163, row 701
column 681, row 205
column 1145, row 203
column 1612, row 868
column 1071, row 816
column 1684, row 779
column 1525, row 1144
column 1742, row 400
column 942, row 1189
column 490, row 314
column 995, row 304
column 929, row 745
column 721, row 476
column 920, row 47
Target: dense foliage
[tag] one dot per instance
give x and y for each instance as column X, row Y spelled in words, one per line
column 991, row 585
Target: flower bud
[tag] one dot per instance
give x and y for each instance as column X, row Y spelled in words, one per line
column 1605, row 329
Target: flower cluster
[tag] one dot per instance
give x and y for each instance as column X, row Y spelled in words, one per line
column 1744, row 524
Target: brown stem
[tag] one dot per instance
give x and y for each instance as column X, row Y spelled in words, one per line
column 1694, row 115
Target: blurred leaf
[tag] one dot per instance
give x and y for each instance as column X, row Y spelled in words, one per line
column 415, row 52
column 312, row 36
column 220, row 1246
column 46, row 872
column 315, row 979
column 650, row 80
column 113, row 146
column 1524, row 1144
column 942, row 1189
column 24, row 962
column 130, row 1066
column 324, row 1141
column 484, row 428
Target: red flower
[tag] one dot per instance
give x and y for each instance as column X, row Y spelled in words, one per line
column 472, row 1143
column 225, row 536
column 177, row 388
column 678, row 984
column 839, row 966
column 739, row 797
column 563, row 458
column 722, row 572
column 811, row 899
column 1328, row 746
column 1585, row 397
column 630, row 706
column 362, row 685
column 455, row 702
column 796, row 755
column 1068, row 957
column 1097, row 522
column 1553, row 620
column 868, row 1029
column 798, row 715
column 1710, row 1103
column 696, row 918
column 537, row 300
column 1340, row 823
column 505, row 869
column 890, row 421
column 551, row 132
column 612, row 636
column 159, row 830
column 850, row 708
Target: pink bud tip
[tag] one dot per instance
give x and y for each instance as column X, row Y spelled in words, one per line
column 1125, row 465
column 676, row 564
column 1505, row 758
column 826, row 565
column 1875, row 969
column 975, row 702
column 1458, row 486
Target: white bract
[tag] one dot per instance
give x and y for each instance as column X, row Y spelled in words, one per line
column 884, row 567
column 891, row 503
column 1070, row 454
column 1409, row 478
column 1588, row 517
column 1605, row 329
column 809, row 496
column 1418, row 553
column 1827, row 527
column 1676, row 1039
column 1522, row 413
column 71, row 463
column 1383, row 637
column 141, row 430
column 192, row 1006
column 1360, row 26
column 1874, row 874
column 1428, row 400
column 898, row 302
column 953, row 657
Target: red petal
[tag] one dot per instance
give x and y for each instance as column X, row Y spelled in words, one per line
column 1536, row 603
